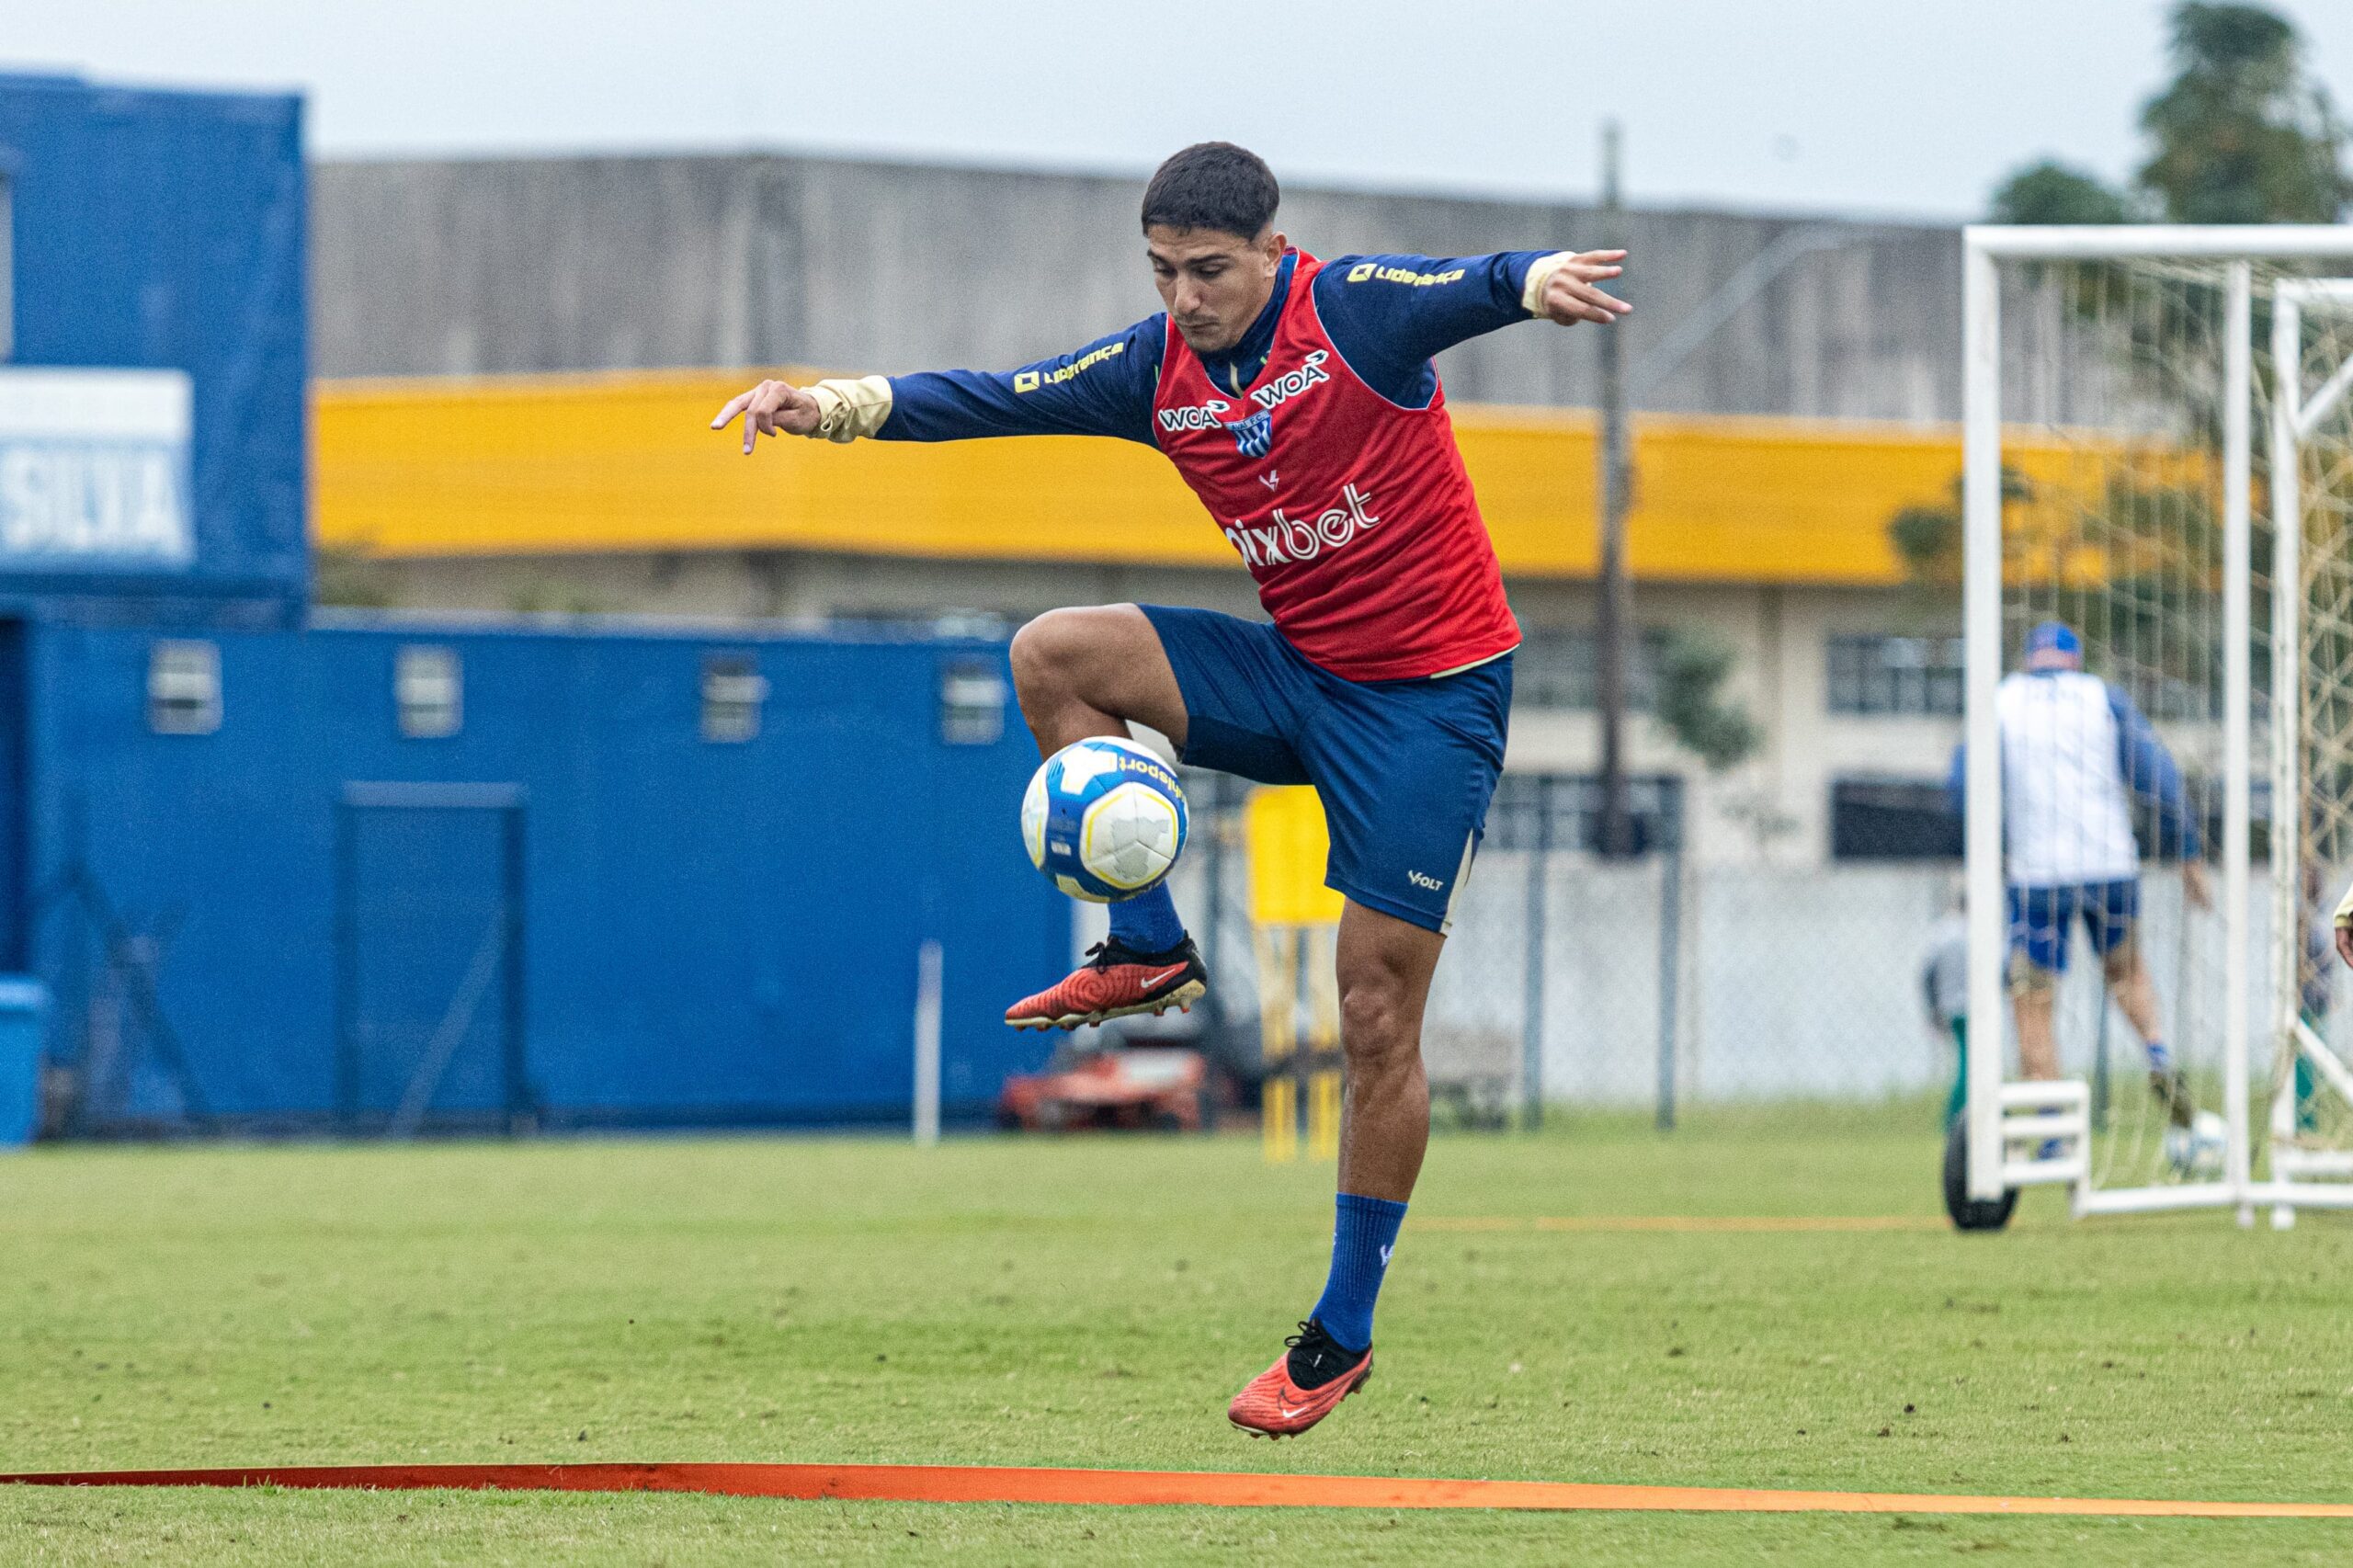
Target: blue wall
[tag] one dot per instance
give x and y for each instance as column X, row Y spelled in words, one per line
column 715, row 933
column 168, row 230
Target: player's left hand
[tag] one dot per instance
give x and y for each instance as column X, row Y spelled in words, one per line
column 2344, row 943
column 1573, row 291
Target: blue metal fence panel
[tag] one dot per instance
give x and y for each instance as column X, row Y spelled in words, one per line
column 167, row 230
column 717, row 932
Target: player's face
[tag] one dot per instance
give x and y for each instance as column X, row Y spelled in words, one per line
column 1213, row 283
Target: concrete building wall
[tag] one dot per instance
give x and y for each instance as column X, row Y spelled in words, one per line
column 518, row 266
column 522, row 265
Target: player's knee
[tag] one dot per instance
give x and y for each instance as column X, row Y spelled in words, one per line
column 1046, row 652
column 1375, row 1025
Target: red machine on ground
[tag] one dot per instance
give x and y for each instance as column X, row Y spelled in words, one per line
column 1162, row 1089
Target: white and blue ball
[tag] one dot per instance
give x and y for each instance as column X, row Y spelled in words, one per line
column 1105, row 818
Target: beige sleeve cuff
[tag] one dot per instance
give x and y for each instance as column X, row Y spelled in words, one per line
column 850, row 409
column 1540, row 272
column 2344, row 909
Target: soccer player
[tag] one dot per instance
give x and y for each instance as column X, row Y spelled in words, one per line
column 1944, row 989
column 2076, row 755
column 1298, row 399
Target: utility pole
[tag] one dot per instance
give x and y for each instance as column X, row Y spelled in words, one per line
column 1613, row 623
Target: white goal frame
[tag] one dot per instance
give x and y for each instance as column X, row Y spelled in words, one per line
column 1992, row 1170
column 2294, row 420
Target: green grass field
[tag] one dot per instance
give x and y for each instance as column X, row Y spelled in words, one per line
column 1095, row 1303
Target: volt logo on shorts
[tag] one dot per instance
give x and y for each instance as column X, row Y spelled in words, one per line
column 1286, row 539
column 1424, row 879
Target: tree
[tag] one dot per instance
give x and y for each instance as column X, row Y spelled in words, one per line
column 1691, row 671
column 2047, row 191
column 2240, row 136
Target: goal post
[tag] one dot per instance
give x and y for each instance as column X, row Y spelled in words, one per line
column 2310, row 430
column 2109, row 477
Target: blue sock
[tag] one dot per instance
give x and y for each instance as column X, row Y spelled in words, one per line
column 1147, row 923
column 1362, row 1236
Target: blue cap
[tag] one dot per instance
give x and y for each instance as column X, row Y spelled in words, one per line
column 2054, row 637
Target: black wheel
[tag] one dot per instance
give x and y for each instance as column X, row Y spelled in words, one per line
column 1971, row 1213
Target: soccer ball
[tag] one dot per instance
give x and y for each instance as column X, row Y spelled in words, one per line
column 2196, row 1150
column 1104, row 818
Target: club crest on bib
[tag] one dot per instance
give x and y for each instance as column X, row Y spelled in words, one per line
column 1256, row 435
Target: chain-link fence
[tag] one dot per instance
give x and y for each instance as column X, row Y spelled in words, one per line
column 1659, row 984
column 1650, row 982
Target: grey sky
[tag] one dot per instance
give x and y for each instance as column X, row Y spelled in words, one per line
column 1871, row 106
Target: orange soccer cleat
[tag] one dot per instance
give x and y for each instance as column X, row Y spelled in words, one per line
column 1275, row 1404
column 1115, row 982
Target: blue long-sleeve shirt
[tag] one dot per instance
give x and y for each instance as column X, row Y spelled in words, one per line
column 2148, row 769
column 1385, row 315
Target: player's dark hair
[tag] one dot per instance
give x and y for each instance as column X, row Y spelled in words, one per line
column 1213, row 185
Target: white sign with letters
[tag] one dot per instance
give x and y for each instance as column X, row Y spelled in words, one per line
column 93, row 469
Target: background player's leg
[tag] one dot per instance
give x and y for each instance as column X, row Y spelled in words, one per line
column 2031, row 997
column 1958, row 1100
column 1087, row 672
column 2039, row 918
column 2128, row 980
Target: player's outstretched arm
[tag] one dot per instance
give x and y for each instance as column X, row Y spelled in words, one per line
column 837, row 411
column 1390, row 315
column 1104, row 389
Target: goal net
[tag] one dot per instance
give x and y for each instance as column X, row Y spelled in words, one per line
column 2129, row 697
column 2307, row 1132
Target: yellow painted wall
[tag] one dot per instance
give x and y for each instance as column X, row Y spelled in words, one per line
column 624, row 463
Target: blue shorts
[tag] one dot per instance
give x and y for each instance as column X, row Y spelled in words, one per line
column 2040, row 919
column 1404, row 767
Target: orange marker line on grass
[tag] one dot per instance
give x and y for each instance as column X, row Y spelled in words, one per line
column 994, row 1483
column 1684, row 1223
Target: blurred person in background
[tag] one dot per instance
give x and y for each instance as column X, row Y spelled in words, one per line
column 2076, row 753
column 1298, row 399
column 1944, row 988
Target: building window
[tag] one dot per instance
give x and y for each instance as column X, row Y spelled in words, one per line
column 428, row 687
column 184, row 688
column 1562, row 669
column 1563, row 810
column 1892, row 819
column 971, row 703
column 732, row 693
column 1896, row 675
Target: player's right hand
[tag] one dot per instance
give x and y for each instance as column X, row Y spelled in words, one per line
column 772, row 408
